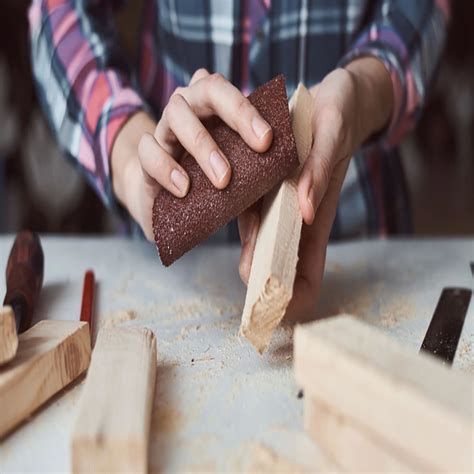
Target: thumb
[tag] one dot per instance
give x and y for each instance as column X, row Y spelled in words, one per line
column 317, row 171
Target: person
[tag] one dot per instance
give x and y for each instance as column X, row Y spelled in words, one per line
column 368, row 63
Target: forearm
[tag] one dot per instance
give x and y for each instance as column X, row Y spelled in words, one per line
column 374, row 95
column 85, row 96
column 408, row 38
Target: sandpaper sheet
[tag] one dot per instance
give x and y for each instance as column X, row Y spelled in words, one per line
column 182, row 223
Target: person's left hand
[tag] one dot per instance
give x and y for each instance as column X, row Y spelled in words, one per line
column 349, row 105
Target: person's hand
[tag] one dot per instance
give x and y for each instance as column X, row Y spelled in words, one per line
column 349, row 105
column 146, row 157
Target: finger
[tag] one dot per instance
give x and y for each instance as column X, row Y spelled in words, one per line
column 158, row 166
column 199, row 74
column 248, row 247
column 194, row 137
column 318, row 168
column 312, row 251
column 249, row 224
column 214, row 95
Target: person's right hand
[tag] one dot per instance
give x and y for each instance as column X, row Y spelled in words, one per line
column 145, row 158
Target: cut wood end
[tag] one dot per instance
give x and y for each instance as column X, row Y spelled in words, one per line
column 259, row 321
column 8, row 335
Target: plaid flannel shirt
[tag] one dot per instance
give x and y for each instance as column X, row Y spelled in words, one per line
column 88, row 91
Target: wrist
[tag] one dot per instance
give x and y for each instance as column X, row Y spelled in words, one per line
column 125, row 167
column 374, row 94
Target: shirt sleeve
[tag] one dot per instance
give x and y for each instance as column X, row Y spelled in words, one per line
column 83, row 83
column 408, row 37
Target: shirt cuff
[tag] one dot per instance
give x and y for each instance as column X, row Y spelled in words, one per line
column 400, row 121
column 116, row 112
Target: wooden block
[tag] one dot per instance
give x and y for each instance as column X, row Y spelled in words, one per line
column 8, row 335
column 352, row 448
column 411, row 401
column 50, row 355
column 113, row 424
column 273, row 270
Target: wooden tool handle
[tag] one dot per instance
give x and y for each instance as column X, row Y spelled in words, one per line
column 24, row 277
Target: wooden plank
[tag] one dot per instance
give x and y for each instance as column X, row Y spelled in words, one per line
column 410, row 400
column 113, row 424
column 273, row 270
column 8, row 335
column 50, row 355
column 351, row 447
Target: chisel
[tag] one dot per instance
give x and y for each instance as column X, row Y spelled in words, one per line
column 445, row 328
column 24, row 278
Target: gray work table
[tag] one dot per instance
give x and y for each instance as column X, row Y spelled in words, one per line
column 216, row 400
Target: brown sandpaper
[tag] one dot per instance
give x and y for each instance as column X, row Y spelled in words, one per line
column 180, row 224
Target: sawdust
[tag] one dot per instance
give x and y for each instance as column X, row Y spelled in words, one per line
column 359, row 303
column 193, row 308
column 465, row 355
column 168, row 419
column 465, row 349
column 263, row 460
column 396, row 311
column 118, row 317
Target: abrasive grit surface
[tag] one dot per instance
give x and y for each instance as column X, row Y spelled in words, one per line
column 180, row 224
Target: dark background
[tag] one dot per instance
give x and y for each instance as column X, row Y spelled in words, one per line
column 41, row 191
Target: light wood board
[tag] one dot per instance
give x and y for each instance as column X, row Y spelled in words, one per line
column 8, row 335
column 50, row 355
column 113, row 421
column 351, row 447
column 273, row 269
column 410, row 400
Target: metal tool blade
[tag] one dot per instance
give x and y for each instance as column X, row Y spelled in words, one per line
column 444, row 331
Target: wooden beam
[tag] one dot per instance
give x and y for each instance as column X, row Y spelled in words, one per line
column 50, row 355
column 8, row 335
column 113, row 424
column 273, row 270
column 410, row 401
column 351, row 447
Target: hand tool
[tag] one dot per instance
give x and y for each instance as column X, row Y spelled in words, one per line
column 445, row 329
column 24, row 277
column 87, row 306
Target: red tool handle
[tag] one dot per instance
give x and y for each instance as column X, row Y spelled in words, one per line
column 24, row 277
column 87, row 306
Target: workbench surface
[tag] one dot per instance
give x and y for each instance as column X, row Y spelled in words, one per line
column 218, row 405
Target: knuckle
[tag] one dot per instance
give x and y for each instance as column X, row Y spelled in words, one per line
column 179, row 91
column 243, row 107
column 216, row 79
column 324, row 170
column 174, row 104
column 202, row 71
column 143, row 143
column 201, row 138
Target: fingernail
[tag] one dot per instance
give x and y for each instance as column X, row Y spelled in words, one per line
column 219, row 165
column 180, row 181
column 260, row 127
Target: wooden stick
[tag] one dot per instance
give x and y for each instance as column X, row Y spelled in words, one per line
column 113, row 424
column 273, row 270
column 50, row 355
column 352, row 448
column 410, row 401
column 8, row 335
column 87, row 305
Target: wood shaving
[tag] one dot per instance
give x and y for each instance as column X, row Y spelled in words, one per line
column 119, row 317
